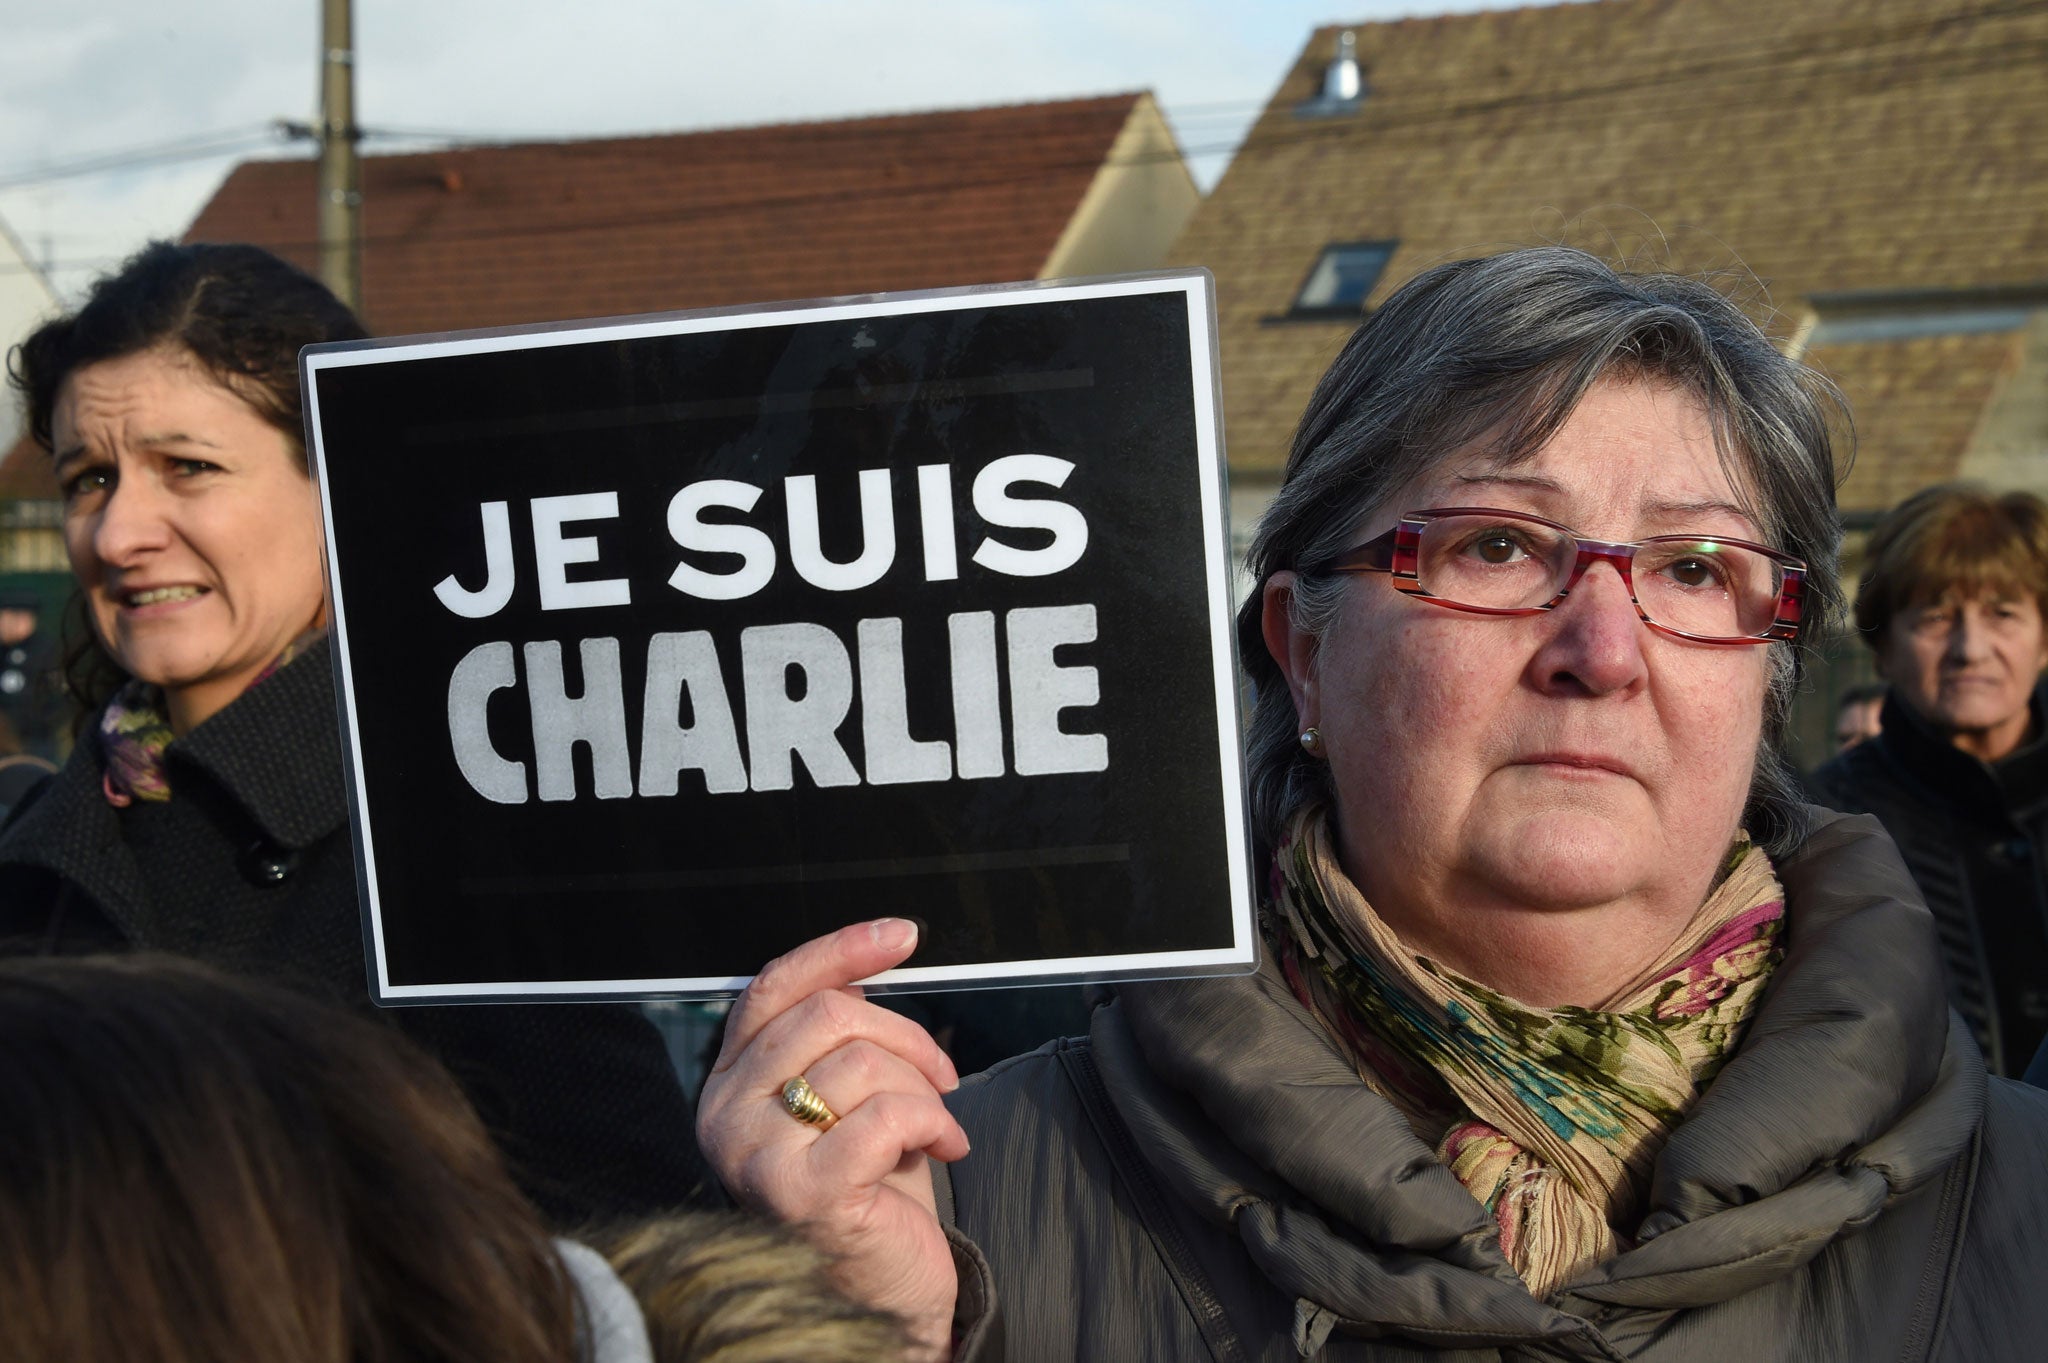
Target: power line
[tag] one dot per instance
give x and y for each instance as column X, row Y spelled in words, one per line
column 1780, row 58
column 1691, row 60
column 1952, row 67
column 231, row 142
column 1827, row 55
column 1710, row 58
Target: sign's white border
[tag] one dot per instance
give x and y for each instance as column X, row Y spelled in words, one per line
column 1197, row 287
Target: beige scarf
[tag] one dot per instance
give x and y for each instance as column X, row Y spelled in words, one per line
column 1552, row 1117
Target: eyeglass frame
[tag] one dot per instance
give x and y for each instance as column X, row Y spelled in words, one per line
column 1397, row 552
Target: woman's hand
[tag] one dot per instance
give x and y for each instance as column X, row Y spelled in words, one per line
column 861, row 1190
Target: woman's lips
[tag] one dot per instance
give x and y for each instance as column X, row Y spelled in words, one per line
column 1577, row 764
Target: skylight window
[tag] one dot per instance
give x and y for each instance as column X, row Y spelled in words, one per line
column 1342, row 279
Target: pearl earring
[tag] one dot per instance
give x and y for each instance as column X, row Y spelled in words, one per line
column 1312, row 741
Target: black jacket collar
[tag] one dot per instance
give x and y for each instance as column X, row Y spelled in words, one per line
column 275, row 751
column 2017, row 781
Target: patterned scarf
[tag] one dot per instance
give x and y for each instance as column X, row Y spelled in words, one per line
column 134, row 733
column 1551, row 1117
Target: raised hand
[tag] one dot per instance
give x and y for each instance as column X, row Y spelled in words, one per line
column 857, row 1181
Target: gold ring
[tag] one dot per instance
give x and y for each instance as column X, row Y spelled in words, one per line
column 806, row 1106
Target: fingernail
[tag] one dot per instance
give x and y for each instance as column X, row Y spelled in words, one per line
column 891, row 934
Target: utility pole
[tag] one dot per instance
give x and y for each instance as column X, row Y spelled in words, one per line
column 341, row 198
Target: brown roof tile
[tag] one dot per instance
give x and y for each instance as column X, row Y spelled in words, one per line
column 1829, row 146
column 1916, row 402
column 494, row 236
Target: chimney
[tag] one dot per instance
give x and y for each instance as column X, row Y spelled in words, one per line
column 1344, row 87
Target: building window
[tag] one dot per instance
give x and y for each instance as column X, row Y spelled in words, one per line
column 32, row 537
column 1342, row 279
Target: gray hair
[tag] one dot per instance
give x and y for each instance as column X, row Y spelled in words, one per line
column 1500, row 350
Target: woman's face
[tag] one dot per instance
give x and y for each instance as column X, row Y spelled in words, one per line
column 1542, row 801
column 190, row 523
column 1967, row 665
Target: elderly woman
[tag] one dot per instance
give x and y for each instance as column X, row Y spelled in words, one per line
column 203, row 810
column 1951, row 602
column 1573, row 1038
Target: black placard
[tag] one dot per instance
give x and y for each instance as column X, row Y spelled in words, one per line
column 665, row 644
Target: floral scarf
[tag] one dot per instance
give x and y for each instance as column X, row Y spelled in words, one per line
column 1551, row 1117
column 134, row 732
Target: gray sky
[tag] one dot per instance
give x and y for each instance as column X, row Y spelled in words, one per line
column 84, row 78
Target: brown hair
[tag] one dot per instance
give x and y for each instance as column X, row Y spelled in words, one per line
column 195, row 1169
column 239, row 313
column 1952, row 538
column 719, row 1287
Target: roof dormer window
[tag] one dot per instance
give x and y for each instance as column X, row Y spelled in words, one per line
column 1342, row 279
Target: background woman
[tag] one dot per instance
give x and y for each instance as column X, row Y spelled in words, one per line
column 1951, row 602
column 198, row 1168
column 203, row 810
column 1572, row 1039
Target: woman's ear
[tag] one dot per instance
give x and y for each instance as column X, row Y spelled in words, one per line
column 1292, row 649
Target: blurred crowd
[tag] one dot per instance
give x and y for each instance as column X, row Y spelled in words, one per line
column 215, row 1148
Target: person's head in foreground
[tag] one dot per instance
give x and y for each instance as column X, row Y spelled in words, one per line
column 1859, row 715
column 1575, row 1033
column 170, row 405
column 197, row 1169
column 204, row 1168
column 1950, row 601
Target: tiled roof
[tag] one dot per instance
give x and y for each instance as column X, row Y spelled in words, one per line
column 1827, row 146
column 1916, row 403
column 547, row 231
column 495, row 236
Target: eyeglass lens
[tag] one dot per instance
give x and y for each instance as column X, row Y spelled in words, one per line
column 1698, row 586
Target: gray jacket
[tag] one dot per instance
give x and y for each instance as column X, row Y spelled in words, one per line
column 1206, row 1178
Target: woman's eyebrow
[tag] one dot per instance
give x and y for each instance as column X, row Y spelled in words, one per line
column 1680, row 510
column 175, row 438
column 152, row 439
column 1530, row 482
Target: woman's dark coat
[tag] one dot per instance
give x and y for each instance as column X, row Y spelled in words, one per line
column 250, row 867
column 1206, row 1178
column 1975, row 837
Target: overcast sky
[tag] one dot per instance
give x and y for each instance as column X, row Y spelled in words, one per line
column 80, row 79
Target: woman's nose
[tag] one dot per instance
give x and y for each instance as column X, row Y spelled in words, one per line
column 1595, row 643
column 1966, row 636
column 132, row 522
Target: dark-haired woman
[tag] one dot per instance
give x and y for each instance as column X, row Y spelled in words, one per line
column 203, row 811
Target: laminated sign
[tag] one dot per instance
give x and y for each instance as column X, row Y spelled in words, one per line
column 668, row 643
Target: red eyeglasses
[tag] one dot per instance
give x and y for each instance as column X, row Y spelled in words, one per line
column 1700, row 587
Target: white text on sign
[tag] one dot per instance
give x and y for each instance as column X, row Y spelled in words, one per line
column 796, row 681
